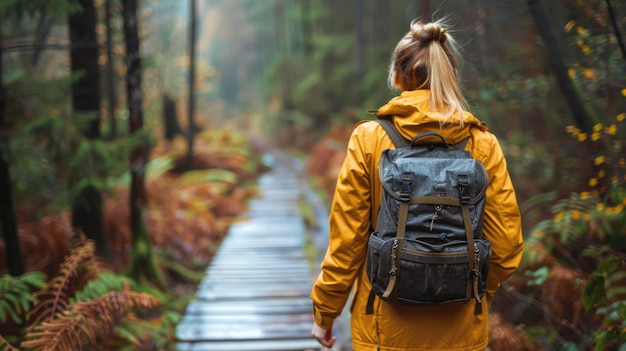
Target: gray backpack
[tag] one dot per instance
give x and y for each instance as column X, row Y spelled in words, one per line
column 428, row 247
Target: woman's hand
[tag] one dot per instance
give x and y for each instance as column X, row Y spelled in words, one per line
column 323, row 336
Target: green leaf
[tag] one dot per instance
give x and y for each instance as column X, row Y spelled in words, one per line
column 3, row 309
column 594, row 292
column 621, row 310
column 609, row 264
column 600, row 340
column 540, row 276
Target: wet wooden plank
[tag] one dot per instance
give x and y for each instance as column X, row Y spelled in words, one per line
column 262, row 306
column 242, row 331
column 286, row 318
column 307, row 344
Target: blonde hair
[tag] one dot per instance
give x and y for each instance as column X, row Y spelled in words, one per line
column 427, row 57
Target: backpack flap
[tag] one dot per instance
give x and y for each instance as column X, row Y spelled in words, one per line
column 435, row 176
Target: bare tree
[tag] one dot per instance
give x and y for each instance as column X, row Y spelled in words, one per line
column 142, row 264
column 110, row 70
column 541, row 15
column 8, row 222
column 87, row 212
column 192, row 80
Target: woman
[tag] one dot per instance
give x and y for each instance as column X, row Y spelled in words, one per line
column 424, row 69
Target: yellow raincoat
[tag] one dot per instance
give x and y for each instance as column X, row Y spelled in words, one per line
column 354, row 211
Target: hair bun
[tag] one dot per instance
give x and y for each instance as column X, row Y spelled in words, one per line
column 428, row 32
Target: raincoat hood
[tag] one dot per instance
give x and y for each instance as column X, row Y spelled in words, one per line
column 413, row 115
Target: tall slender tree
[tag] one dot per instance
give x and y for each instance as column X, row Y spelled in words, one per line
column 110, row 67
column 142, row 265
column 87, row 212
column 8, row 222
column 539, row 9
column 192, row 80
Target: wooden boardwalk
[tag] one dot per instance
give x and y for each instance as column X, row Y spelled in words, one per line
column 255, row 295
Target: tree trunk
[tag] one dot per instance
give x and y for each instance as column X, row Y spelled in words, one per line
column 142, row 266
column 110, row 72
column 87, row 212
column 170, row 119
column 616, row 31
column 192, row 82
column 8, row 222
column 547, row 31
column 426, row 10
column 359, row 41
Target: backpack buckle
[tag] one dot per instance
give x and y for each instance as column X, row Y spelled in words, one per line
column 405, row 187
column 464, row 191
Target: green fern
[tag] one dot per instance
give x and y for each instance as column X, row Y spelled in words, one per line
column 16, row 295
column 605, row 293
column 105, row 283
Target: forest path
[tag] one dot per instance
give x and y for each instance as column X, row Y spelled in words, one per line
column 255, row 295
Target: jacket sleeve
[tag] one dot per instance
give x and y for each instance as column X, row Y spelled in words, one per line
column 349, row 228
column 502, row 220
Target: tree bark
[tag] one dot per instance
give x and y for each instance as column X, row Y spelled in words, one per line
column 192, row 82
column 110, row 71
column 556, row 57
column 170, row 119
column 142, row 266
column 87, row 214
column 8, row 222
column 359, row 41
column 426, row 10
column 616, row 31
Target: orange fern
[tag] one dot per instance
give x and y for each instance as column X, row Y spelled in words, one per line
column 80, row 265
column 87, row 322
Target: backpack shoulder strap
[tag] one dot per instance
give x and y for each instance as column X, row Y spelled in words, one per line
column 462, row 144
column 398, row 140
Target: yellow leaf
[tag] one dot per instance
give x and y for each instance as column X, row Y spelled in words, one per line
column 595, row 136
column 611, row 130
column 599, row 160
column 622, row 116
column 580, row 30
column 601, row 174
column 593, row 182
column 600, row 207
column 582, row 137
column 571, row 73
column 597, row 127
column 589, row 73
column 576, row 215
column 558, row 217
column 586, row 50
